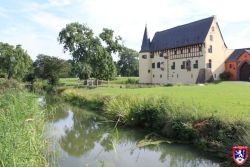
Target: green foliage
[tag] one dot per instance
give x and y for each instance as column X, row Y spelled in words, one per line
column 90, row 57
column 49, row 68
column 84, row 70
column 7, row 84
column 14, row 61
column 67, row 69
column 132, row 81
column 212, row 126
column 22, row 126
column 128, row 64
column 112, row 43
column 225, row 76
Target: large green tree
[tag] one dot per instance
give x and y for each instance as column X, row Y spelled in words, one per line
column 92, row 55
column 50, row 68
column 14, row 61
column 128, row 64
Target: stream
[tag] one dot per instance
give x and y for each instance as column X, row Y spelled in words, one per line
column 81, row 138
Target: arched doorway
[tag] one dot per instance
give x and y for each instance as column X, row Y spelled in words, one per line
column 245, row 72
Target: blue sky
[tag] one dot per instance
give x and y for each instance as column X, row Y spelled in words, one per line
column 36, row 24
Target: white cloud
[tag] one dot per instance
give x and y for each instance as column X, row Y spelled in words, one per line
column 126, row 18
column 59, row 2
column 49, row 20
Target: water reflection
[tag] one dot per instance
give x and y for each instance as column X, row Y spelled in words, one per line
column 84, row 139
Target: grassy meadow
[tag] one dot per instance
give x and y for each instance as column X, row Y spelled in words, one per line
column 22, row 127
column 214, row 117
column 227, row 100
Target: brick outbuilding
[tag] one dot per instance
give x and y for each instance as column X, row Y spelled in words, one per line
column 238, row 65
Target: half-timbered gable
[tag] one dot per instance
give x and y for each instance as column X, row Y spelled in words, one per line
column 190, row 53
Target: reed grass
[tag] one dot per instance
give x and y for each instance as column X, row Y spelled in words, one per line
column 22, row 127
column 214, row 129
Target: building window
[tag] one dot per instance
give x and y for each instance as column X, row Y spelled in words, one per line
column 173, row 66
column 212, row 28
column 191, row 75
column 181, row 51
column 183, row 66
column 152, row 56
column 230, row 65
column 158, row 65
column 161, row 54
column 200, row 48
column 148, row 71
column 188, row 65
column 160, row 76
column 144, row 56
column 196, row 64
column 175, row 52
column 210, row 49
column 209, row 65
column 153, row 75
column 177, row 76
column 211, row 37
column 153, row 65
column 189, row 50
column 214, row 75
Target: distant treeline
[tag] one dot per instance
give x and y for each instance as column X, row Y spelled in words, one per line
column 91, row 58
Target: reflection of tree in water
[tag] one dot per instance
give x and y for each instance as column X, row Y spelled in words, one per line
column 87, row 130
column 178, row 155
column 56, row 108
column 82, row 136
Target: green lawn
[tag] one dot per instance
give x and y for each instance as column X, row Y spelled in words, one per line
column 227, row 100
column 70, row 81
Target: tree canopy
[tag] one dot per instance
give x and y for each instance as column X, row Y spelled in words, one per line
column 14, row 61
column 92, row 55
column 50, row 68
column 128, row 64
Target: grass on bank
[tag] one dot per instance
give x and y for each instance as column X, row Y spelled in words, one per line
column 116, row 82
column 213, row 117
column 21, row 125
column 227, row 101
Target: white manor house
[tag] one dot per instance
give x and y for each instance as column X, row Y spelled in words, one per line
column 190, row 53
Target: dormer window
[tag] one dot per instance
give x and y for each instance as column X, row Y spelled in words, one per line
column 151, row 55
column 175, row 52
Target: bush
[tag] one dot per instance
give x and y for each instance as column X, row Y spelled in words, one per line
column 6, row 84
column 132, row 81
column 225, row 76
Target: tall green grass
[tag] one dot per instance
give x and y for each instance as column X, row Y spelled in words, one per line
column 183, row 123
column 21, row 130
column 210, row 129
